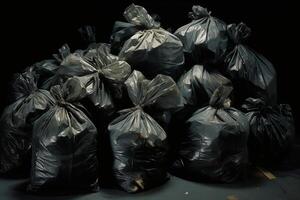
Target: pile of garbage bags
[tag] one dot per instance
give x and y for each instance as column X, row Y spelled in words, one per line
column 197, row 103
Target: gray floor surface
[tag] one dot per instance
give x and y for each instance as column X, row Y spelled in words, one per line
column 286, row 186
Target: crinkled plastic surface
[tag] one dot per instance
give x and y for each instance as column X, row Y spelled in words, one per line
column 138, row 16
column 214, row 144
column 15, row 143
column 74, row 144
column 197, row 86
column 63, row 52
column 138, row 142
column 250, row 69
column 16, row 120
column 271, row 130
column 121, row 32
column 64, row 148
column 45, row 69
column 205, row 38
column 153, row 50
column 35, row 101
column 99, row 75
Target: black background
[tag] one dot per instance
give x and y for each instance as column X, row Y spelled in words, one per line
column 35, row 30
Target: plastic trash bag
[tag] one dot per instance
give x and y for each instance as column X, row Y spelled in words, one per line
column 139, row 143
column 47, row 69
column 101, row 75
column 16, row 121
column 121, row 32
column 64, row 148
column 205, row 38
column 197, row 86
column 271, row 130
column 214, row 144
column 249, row 69
column 154, row 50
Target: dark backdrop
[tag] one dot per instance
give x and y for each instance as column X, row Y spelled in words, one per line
column 33, row 31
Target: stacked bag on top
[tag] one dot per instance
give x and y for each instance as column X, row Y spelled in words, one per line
column 152, row 50
column 204, row 39
column 221, row 115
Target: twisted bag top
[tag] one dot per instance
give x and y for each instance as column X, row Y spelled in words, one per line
column 16, row 121
column 214, row 143
column 64, row 147
column 153, row 50
column 161, row 92
column 94, row 71
column 247, row 65
column 205, row 37
column 138, row 141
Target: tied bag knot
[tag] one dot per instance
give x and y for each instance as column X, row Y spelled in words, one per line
column 138, row 16
column 238, row 33
column 198, row 12
column 137, row 137
column 220, row 97
column 133, row 109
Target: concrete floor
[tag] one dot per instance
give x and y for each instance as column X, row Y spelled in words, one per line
column 286, row 186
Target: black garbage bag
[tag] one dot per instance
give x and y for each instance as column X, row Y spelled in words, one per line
column 154, row 50
column 47, row 69
column 16, row 121
column 64, row 148
column 139, row 143
column 205, row 38
column 121, row 32
column 271, row 130
column 197, row 86
column 214, row 144
column 248, row 69
column 99, row 74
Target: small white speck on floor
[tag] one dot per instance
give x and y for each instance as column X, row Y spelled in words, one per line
column 186, row 193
